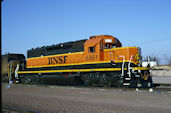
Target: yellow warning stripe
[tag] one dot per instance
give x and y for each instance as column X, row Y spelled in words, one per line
column 141, row 68
column 83, row 70
column 73, row 70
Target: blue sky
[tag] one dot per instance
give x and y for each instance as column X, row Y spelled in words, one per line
column 29, row 24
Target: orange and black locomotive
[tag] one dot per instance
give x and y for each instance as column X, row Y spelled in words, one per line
column 98, row 61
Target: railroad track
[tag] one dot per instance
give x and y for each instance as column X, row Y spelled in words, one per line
column 105, row 95
column 158, row 88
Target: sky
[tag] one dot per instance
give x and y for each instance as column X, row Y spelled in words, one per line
column 27, row 24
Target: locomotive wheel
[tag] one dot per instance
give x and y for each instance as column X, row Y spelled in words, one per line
column 109, row 84
column 86, row 80
column 27, row 80
column 21, row 80
column 118, row 82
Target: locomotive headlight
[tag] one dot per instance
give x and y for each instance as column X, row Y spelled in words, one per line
column 137, row 58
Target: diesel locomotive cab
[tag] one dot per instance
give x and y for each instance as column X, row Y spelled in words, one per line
column 129, row 59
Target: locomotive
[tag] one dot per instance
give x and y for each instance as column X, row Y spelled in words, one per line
column 97, row 61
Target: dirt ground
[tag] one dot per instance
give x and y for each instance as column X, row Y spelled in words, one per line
column 68, row 99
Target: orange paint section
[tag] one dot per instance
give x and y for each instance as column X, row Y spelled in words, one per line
column 55, row 60
column 94, row 51
column 116, row 54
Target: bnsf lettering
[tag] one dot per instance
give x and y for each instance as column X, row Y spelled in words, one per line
column 57, row 60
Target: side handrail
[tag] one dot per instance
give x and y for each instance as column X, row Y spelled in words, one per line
column 16, row 71
column 129, row 68
column 10, row 73
column 123, row 64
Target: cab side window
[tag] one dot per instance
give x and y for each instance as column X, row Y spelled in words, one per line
column 107, row 46
column 92, row 49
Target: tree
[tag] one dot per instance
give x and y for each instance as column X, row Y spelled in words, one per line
column 168, row 59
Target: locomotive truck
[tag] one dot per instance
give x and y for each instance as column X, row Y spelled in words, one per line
column 97, row 61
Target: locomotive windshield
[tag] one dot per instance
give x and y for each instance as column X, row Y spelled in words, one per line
column 109, row 45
